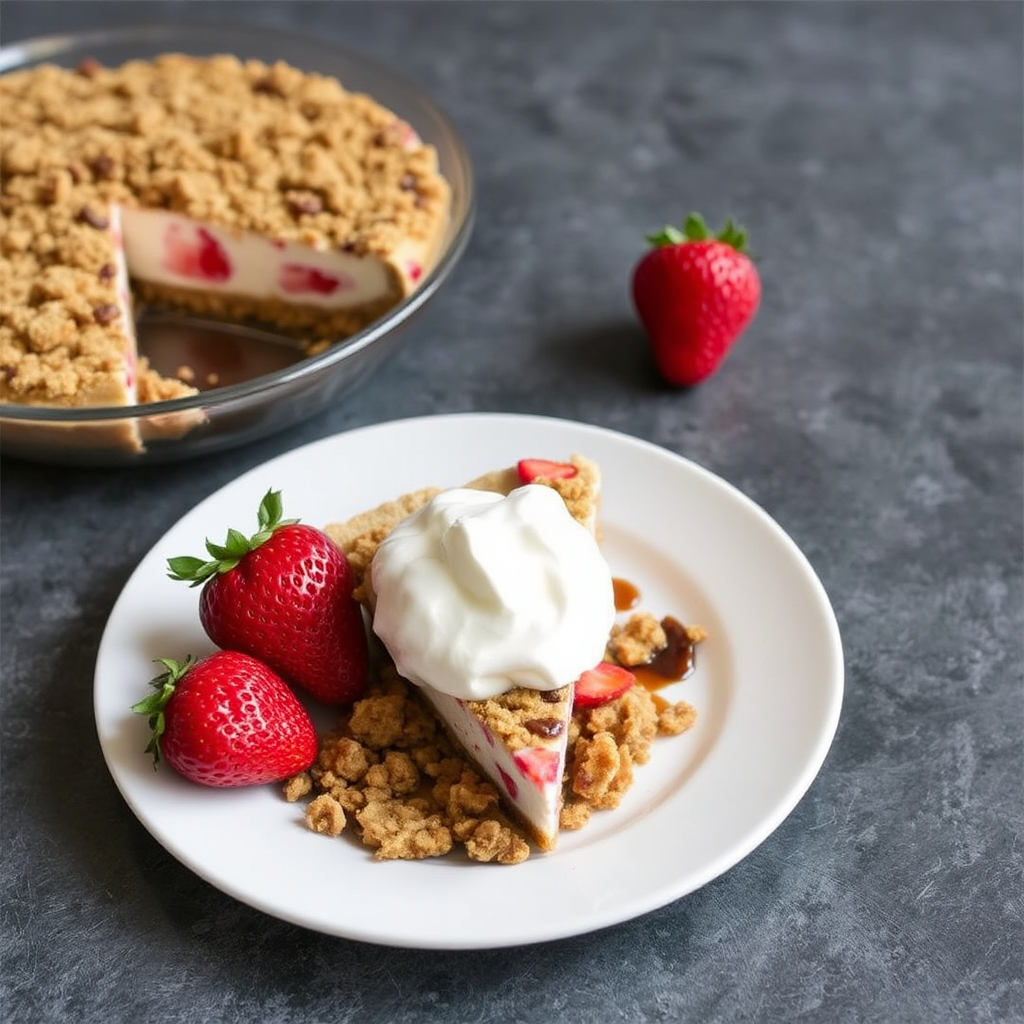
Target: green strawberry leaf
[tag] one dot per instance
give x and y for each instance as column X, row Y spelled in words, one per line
column 224, row 557
column 668, row 235
column 154, row 704
column 270, row 511
column 734, row 235
column 696, row 230
column 190, row 569
column 237, row 544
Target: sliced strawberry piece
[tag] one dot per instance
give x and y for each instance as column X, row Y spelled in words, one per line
column 530, row 470
column 214, row 264
column 510, row 784
column 602, row 684
column 539, row 764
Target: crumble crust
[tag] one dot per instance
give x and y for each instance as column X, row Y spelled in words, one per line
column 360, row 536
column 244, row 145
column 581, row 493
column 520, row 715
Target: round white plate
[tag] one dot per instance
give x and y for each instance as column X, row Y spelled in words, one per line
column 768, row 690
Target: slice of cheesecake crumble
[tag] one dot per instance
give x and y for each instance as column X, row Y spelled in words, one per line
column 488, row 775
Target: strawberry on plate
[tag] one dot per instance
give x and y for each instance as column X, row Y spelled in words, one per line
column 284, row 596
column 227, row 720
column 601, row 684
column 695, row 294
column 530, row 470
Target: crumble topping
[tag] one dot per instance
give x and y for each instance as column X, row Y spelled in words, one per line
column 521, row 715
column 636, row 642
column 390, row 767
column 246, row 145
column 360, row 536
column 581, row 493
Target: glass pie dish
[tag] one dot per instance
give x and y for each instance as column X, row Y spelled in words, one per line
column 265, row 382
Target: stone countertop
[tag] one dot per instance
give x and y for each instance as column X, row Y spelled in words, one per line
column 874, row 410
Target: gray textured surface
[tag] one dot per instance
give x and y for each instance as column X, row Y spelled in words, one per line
column 874, row 410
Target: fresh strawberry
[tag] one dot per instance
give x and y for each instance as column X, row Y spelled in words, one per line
column 227, row 721
column 602, row 684
column 538, row 764
column 284, row 596
column 531, row 469
column 695, row 295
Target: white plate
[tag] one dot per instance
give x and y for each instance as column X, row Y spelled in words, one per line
column 768, row 690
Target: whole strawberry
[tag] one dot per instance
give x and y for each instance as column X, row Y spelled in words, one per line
column 227, row 721
column 284, row 596
column 695, row 295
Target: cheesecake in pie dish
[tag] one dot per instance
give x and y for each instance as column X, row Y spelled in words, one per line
column 503, row 713
column 235, row 190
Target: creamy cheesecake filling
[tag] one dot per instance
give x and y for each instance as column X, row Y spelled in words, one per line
column 173, row 250
column 168, row 249
column 530, row 778
column 125, row 312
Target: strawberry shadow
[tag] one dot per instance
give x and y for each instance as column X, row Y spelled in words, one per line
column 599, row 353
column 602, row 359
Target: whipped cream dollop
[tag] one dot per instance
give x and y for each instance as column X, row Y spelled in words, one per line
column 477, row 593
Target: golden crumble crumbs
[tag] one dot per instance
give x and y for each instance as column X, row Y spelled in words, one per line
column 297, row 787
column 325, row 815
column 637, row 640
column 390, row 766
column 676, row 718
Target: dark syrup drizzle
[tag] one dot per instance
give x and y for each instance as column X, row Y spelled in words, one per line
column 675, row 661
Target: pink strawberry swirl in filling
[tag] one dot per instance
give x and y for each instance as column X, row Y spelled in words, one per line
column 170, row 250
